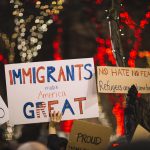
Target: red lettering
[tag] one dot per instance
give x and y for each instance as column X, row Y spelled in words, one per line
column 79, row 67
column 80, row 99
column 61, row 74
column 10, row 77
column 42, row 80
column 50, row 103
column 28, row 73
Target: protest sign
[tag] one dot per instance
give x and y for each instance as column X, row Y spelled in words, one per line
column 88, row 136
column 35, row 89
column 140, row 134
column 120, row 79
column 4, row 115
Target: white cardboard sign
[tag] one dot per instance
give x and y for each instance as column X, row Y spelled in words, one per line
column 4, row 115
column 35, row 89
column 120, row 79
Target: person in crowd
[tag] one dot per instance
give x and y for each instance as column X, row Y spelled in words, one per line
column 138, row 145
column 131, row 113
column 30, row 132
column 8, row 145
column 55, row 142
column 32, row 146
column 136, row 112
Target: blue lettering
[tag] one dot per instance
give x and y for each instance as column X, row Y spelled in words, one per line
column 91, row 74
column 67, row 106
column 50, row 70
column 34, row 74
column 70, row 72
column 31, row 111
column 15, row 75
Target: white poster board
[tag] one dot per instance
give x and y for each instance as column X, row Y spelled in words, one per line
column 120, row 79
column 35, row 89
column 4, row 115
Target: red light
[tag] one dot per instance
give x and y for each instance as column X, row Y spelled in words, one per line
column 59, row 30
column 98, row 1
column 143, row 23
column 57, row 56
column 148, row 15
column 56, row 45
column 115, row 144
column 139, row 95
column 133, row 54
column 118, row 112
column 1, row 57
column 126, row 19
column 5, row 61
column 100, row 40
column 108, row 43
column 66, row 125
column 131, row 62
column 55, row 18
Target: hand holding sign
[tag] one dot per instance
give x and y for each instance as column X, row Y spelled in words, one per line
column 55, row 118
column 4, row 116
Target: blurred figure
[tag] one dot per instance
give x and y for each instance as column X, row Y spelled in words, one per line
column 131, row 113
column 139, row 145
column 32, row 146
column 8, row 145
column 30, row 132
column 136, row 112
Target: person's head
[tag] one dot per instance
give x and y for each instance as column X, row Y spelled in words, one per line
column 32, row 146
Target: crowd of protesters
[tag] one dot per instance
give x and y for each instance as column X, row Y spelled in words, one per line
column 54, row 142
column 25, row 142
column 28, row 139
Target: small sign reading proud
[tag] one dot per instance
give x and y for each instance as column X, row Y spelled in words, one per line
column 88, row 136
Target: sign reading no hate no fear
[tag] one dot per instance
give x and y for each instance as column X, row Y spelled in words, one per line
column 120, row 79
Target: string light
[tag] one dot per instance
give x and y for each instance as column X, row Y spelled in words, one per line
column 29, row 45
column 98, row 1
column 137, row 29
column 29, row 42
column 143, row 54
column 124, row 58
column 57, row 40
column 9, row 45
column 104, row 49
